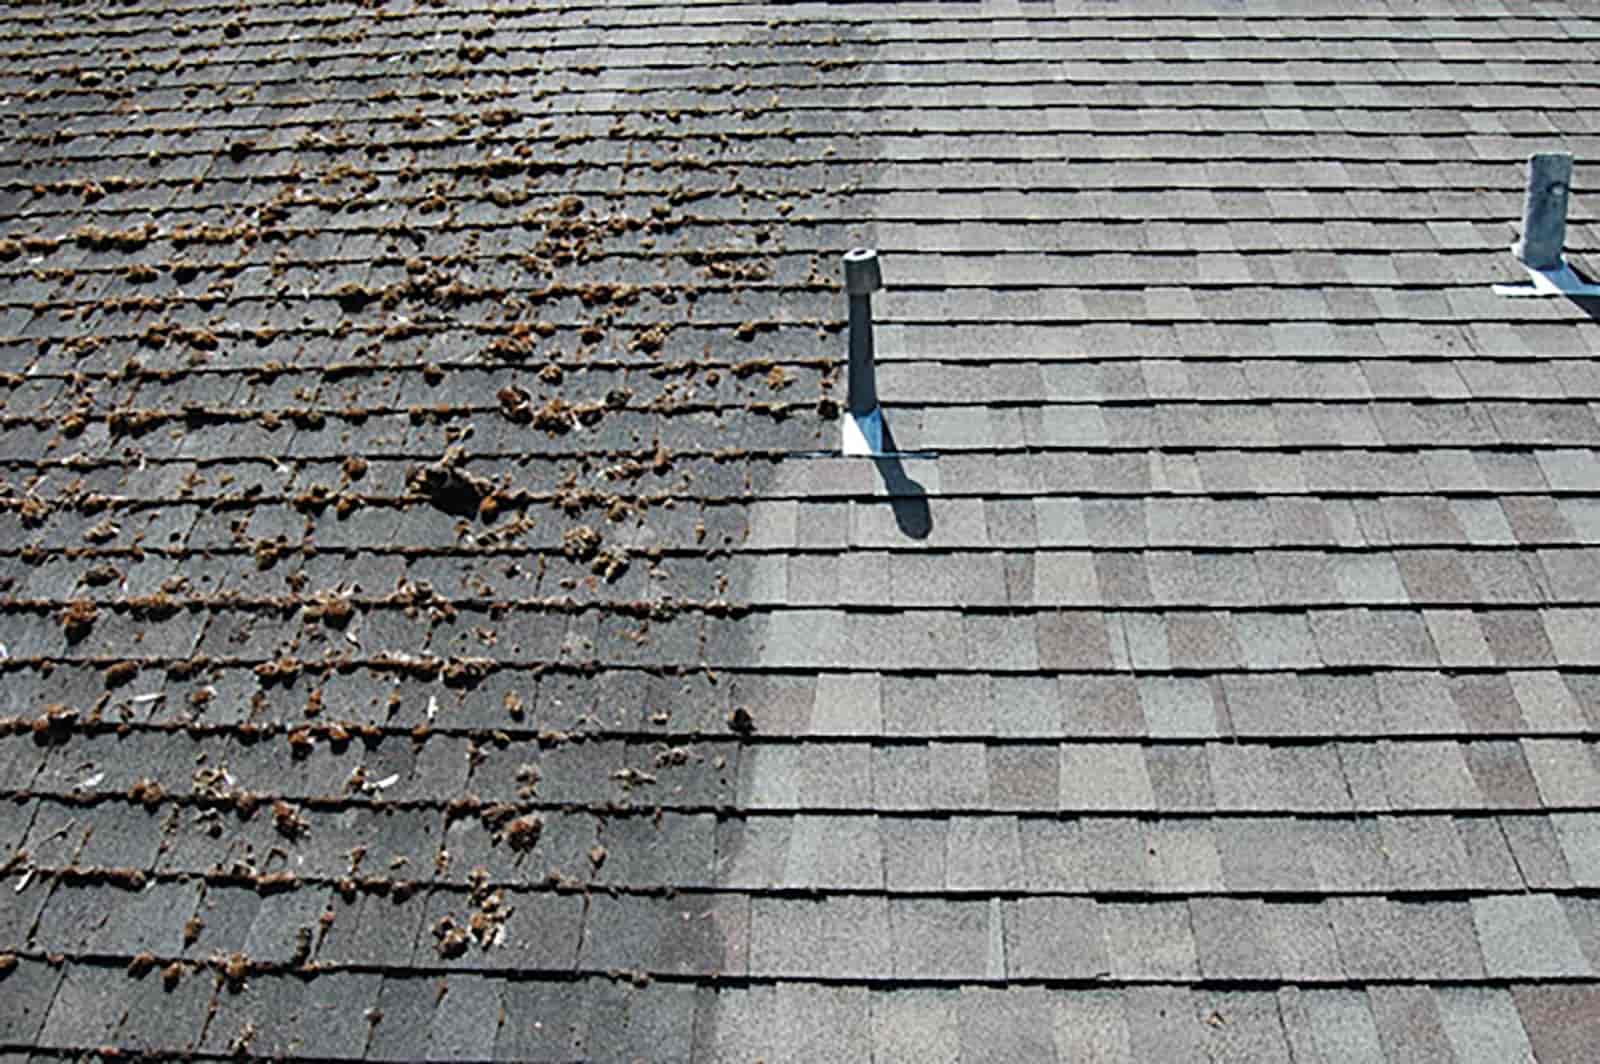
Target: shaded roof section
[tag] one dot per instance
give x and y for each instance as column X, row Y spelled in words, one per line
column 425, row 634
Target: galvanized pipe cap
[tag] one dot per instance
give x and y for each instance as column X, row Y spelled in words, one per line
column 861, row 274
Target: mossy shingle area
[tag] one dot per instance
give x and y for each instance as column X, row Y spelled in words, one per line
column 436, row 622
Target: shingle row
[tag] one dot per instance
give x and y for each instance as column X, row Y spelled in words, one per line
column 1524, row 336
column 1099, row 855
column 1085, row 640
column 1185, row 382
column 1114, row 777
column 1491, row 584
column 1173, row 522
column 485, row 1016
column 1157, row 425
column 953, row 481
column 1483, row 581
column 651, row 706
column 1064, row 640
column 992, row 852
column 350, row 1015
column 1442, row 775
column 865, row 938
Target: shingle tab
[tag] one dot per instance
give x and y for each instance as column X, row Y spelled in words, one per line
column 1527, row 936
column 1343, row 1026
column 1482, row 1024
column 1161, row 1023
column 1005, row 1024
column 804, row 938
column 1560, row 1020
column 1241, row 1026
column 1408, row 1020
column 1230, row 939
column 1104, row 776
column 1150, row 941
column 912, row 1025
column 1092, row 1025
column 935, row 939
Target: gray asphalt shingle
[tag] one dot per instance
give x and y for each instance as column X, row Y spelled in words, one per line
column 433, row 617
column 1527, row 936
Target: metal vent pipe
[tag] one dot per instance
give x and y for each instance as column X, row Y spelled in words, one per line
column 1544, row 215
column 862, row 278
column 863, row 422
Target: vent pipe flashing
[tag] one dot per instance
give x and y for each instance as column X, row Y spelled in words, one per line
column 1544, row 232
column 863, row 423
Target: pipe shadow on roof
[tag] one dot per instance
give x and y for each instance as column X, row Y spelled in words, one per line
column 907, row 497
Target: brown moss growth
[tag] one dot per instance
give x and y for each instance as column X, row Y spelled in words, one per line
column 97, row 239
column 554, row 417
column 522, row 834
column 78, row 619
column 580, row 544
column 147, row 792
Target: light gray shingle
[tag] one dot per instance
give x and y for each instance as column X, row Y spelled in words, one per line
column 1527, row 936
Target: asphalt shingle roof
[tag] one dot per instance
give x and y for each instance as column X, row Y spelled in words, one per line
column 430, row 626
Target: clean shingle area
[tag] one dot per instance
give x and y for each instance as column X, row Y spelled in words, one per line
column 1527, row 935
column 436, row 620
